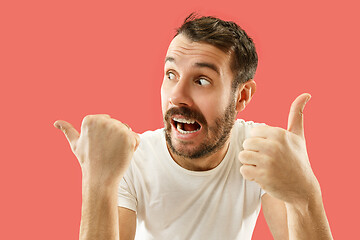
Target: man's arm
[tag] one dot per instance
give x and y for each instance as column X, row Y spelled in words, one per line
column 297, row 221
column 274, row 211
column 101, row 218
column 104, row 150
column 99, row 215
column 127, row 223
column 277, row 160
column 307, row 220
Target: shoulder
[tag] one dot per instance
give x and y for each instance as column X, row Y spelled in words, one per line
column 151, row 149
column 241, row 131
column 150, row 140
column 241, row 123
column 152, row 134
column 242, row 128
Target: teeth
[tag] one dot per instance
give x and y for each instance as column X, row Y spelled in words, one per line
column 185, row 132
column 188, row 121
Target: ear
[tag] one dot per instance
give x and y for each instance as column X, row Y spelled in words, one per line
column 244, row 94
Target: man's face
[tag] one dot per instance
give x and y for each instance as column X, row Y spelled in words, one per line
column 197, row 100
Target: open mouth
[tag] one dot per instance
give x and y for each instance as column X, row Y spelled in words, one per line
column 186, row 126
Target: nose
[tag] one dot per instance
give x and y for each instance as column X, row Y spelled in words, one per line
column 181, row 94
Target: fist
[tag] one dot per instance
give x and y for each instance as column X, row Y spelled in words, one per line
column 277, row 159
column 104, row 147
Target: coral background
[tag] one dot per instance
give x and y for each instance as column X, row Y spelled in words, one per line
column 67, row 59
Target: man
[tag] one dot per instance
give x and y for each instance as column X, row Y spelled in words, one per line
column 205, row 174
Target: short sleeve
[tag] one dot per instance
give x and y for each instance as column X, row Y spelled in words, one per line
column 246, row 134
column 126, row 193
column 262, row 192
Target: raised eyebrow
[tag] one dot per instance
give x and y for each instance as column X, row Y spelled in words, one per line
column 208, row 65
column 169, row 59
column 199, row 64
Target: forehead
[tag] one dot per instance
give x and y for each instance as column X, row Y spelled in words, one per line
column 182, row 48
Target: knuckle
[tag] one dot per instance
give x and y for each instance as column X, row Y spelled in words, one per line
column 280, row 133
column 241, row 154
column 94, row 122
column 241, row 158
column 127, row 126
column 122, row 129
column 245, row 143
column 124, row 132
column 103, row 124
column 243, row 171
column 133, row 141
column 248, row 142
column 88, row 119
column 128, row 140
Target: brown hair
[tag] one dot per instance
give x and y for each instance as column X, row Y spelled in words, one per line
column 228, row 37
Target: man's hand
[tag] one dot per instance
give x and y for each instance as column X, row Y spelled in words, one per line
column 104, row 148
column 277, row 159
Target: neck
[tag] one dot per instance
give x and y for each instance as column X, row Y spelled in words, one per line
column 203, row 163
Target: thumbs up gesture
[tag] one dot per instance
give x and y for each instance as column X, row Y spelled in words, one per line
column 277, row 159
column 104, row 147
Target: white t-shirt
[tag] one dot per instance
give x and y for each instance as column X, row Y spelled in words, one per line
column 174, row 203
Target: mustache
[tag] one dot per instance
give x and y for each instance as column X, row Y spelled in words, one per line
column 186, row 112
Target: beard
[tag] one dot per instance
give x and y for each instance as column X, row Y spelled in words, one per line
column 215, row 135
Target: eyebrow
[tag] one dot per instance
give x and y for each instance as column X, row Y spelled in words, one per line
column 208, row 65
column 198, row 64
column 169, row 59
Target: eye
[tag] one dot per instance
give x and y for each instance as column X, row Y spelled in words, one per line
column 171, row 76
column 203, row 81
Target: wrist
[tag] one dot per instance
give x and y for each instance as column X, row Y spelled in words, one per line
column 307, row 218
column 307, row 205
column 100, row 181
column 307, row 194
column 99, row 211
column 93, row 186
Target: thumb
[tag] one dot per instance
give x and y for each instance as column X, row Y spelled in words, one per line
column 70, row 132
column 295, row 120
